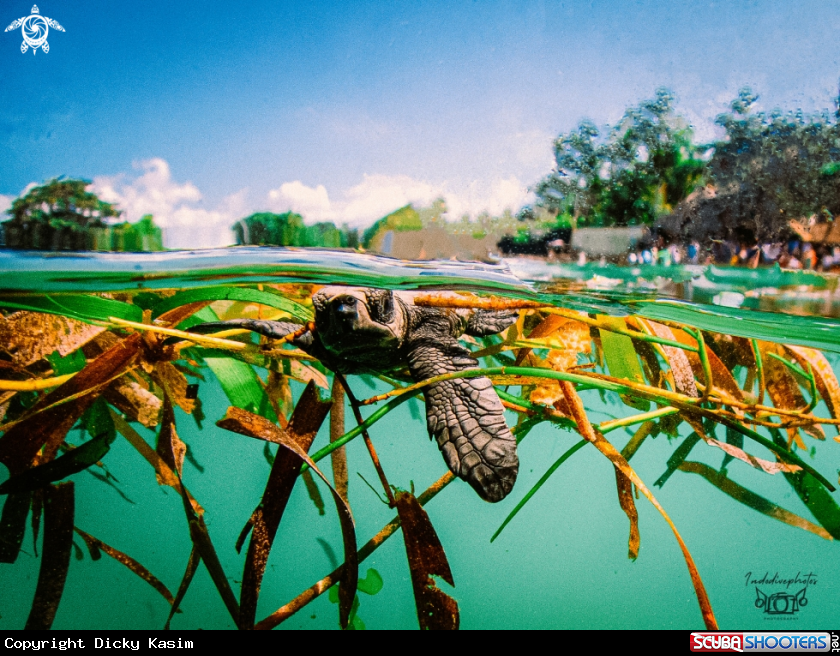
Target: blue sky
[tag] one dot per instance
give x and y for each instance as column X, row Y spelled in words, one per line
column 202, row 112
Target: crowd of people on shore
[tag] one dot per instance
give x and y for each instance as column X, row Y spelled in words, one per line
column 792, row 254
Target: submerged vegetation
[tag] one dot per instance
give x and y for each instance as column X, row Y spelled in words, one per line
column 109, row 363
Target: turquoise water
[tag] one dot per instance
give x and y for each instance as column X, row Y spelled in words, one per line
column 561, row 563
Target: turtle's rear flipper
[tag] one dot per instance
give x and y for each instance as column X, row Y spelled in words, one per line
column 466, row 418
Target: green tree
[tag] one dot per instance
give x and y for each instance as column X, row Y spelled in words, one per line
column 142, row 236
column 56, row 216
column 288, row 229
column 637, row 172
column 769, row 168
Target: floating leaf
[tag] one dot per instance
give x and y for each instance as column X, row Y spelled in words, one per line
column 128, row 561
column 813, row 332
column 172, row 318
column 306, row 420
column 238, row 379
column 170, row 447
column 304, row 373
column 824, row 375
column 162, row 471
column 618, row 461
column 70, row 463
column 68, row 364
column 732, row 350
column 735, row 439
column 625, row 500
column 676, row 459
column 751, row 499
column 240, row 384
column 59, row 509
column 280, row 396
column 426, row 558
column 189, row 573
column 372, row 583
column 650, row 362
column 813, row 495
column 779, row 381
column 559, row 333
column 783, row 388
column 621, row 358
column 339, row 456
column 29, row 336
column 677, row 359
column 175, row 384
column 134, row 400
column 97, row 421
column 722, row 378
column 204, row 546
column 547, row 391
column 758, row 463
column 202, row 543
column 312, row 490
column 13, row 525
column 537, row 486
column 234, row 294
column 48, row 422
column 77, row 306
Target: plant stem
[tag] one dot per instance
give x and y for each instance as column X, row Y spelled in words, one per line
column 354, row 403
column 759, row 366
column 172, row 332
column 607, row 426
column 286, row 611
column 33, row 385
column 605, row 447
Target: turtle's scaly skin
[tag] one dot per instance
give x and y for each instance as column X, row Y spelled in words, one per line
column 363, row 330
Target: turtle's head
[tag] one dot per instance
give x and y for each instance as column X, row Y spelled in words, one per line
column 353, row 321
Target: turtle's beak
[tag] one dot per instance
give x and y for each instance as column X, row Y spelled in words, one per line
column 345, row 311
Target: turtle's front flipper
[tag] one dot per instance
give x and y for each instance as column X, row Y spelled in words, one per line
column 271, row 329
column 489, row 322
column 466, row 418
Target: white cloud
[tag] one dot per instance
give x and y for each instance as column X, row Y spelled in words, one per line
column 378, row 195
column 176, row 206
column 493, row 197
column 5, row 203
column 297, row 197
column 179, row 210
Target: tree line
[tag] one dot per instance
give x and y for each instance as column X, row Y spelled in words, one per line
column 766, row 168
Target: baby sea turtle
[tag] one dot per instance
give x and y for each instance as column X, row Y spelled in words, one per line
column 363, row 330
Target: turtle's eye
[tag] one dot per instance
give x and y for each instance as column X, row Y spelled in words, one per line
column 381, row 305
column 345, row 305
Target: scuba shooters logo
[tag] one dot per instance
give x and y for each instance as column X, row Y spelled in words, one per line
column 749, row 641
